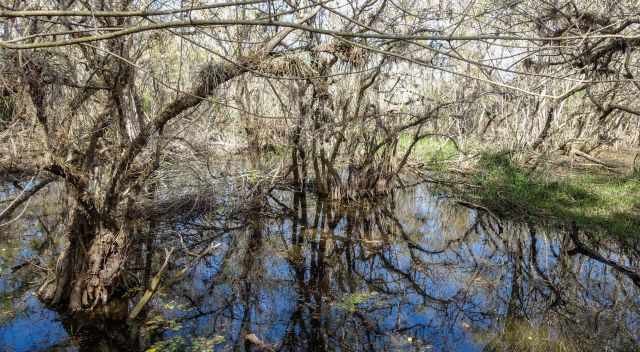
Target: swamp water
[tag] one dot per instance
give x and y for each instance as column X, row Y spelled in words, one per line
column 412, row 272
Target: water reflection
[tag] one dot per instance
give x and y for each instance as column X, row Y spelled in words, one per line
column 410, row 272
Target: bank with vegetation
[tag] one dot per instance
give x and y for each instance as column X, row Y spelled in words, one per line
column 597, row 194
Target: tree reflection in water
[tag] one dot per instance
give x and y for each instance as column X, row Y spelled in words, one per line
column 409, row 272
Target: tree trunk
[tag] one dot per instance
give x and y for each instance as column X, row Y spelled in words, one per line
column 88, row 271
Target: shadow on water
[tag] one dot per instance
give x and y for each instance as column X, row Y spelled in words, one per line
column 297, row 273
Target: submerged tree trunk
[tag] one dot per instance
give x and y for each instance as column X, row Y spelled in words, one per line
column 87, row 273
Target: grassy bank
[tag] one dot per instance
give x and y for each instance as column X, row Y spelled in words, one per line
column 603, row 203
column 433, row 152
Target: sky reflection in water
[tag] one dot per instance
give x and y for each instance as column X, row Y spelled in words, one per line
column 413, row 273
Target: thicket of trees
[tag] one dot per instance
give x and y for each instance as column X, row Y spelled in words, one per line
column 119, row 102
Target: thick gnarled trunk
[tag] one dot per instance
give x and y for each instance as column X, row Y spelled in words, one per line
column 102, row 267
column 88, row 270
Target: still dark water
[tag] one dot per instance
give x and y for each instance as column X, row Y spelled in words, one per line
column 413, row 272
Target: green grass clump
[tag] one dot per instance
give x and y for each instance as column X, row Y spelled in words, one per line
column 430, row 150
column 596, row 203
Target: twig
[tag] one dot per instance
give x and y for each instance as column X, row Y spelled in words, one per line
column 477, row 206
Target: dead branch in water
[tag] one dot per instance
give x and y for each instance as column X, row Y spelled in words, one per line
column 156, row 281
column 24, row 196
